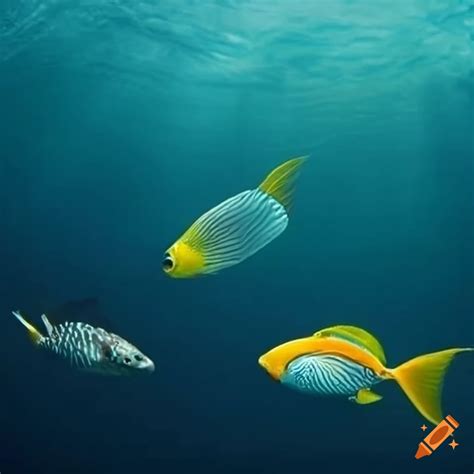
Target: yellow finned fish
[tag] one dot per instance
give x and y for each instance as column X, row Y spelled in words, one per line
column 235, row 229
column 348, row 361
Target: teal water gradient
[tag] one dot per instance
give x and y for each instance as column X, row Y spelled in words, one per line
column 122, row 121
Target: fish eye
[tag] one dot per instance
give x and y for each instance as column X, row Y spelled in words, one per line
column 127, row 360
column 138, row 358
column 168, row 263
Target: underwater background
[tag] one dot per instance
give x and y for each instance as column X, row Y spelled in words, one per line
column 122, row 121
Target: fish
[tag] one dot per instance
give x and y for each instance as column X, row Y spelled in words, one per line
column 237, row 228
column 347, row 361
column 88, row 348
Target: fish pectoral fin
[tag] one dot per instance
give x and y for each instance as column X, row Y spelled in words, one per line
column 366, row 396
column 106, row 350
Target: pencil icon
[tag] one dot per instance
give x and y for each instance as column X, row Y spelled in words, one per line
column 436, row 437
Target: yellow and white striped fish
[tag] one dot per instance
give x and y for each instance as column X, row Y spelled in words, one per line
column 235, row 229
column 347, row 361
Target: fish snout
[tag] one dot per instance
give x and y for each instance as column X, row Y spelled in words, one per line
column 262, row 362
column 148, row 366
column 265, row 364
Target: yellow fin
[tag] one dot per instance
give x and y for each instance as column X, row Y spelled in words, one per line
column 365, row 396
column 357, row 336
column 422, row 379
column 34, row 334
column 280, row 182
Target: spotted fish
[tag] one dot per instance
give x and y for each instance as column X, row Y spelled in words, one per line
column 89, row 348
column 348, row 361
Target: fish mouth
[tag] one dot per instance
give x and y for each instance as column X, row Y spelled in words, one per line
column 264, row 365
column 268, row 369
column 150, row 367
column 168, row 263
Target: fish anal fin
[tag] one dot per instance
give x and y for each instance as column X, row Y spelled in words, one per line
column 365, row 396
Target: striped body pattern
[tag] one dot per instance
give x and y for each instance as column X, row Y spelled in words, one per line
column 347, row 361
column 328, row 374
column 237, row 228
column 94, row 349
column 87, row 347
column 79, row 343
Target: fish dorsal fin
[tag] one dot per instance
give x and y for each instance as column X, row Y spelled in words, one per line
column 48, row 325
column 359, row 337
column 279, row 184
column 86, row 311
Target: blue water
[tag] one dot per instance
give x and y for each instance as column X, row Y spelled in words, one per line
column 122, row 121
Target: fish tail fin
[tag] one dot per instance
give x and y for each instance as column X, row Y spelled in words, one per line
column 421, row 379
column 279, row 184
column 34, row 334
